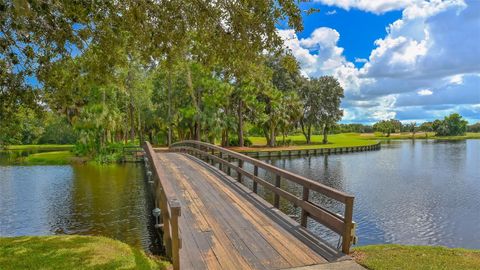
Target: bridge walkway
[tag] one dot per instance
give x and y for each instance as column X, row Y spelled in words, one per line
column 224, row 225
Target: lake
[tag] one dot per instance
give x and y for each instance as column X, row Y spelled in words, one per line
column 421, row 192
column 113, row 201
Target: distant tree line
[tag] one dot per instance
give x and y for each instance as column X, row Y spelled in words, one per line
column 451, row 125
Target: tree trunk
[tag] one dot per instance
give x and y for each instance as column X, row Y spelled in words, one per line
column 240, row 123
column 325, row 133
column 132, row 120
column 266, row 134
column 169, row 96
column 272, row 136
column 306, row 132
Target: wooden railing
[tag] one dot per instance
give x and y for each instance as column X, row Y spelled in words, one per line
column 170, row 208
column 343, row 225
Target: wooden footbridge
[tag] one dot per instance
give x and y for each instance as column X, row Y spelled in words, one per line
column 212, row 220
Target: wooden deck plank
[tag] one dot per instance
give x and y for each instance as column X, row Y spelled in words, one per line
column 274, row 235
column 256, row 250
column 223, row 229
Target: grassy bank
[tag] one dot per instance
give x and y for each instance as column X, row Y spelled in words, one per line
column 40, row 147
column 72, row 252
column 377, row 257
column 49, row 158
column 298, row 142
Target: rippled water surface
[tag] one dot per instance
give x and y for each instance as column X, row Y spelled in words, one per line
column 112, row 201
column 409, row 192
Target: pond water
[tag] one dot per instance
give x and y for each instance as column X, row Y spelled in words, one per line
column 113, row 201
column 409, row 192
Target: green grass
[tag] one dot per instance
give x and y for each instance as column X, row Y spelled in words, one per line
column 378, row 257
column 72, row 252
column 39, row 147
column 49, row 158
column 298, row 142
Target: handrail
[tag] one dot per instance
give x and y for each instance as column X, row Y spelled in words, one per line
column 342, row 225
column 170, row 208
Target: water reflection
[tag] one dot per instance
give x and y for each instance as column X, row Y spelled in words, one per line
column 82, row 199
column 411, row 192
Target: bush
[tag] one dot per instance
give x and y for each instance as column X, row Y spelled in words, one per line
column 58, row 131
column 234, row 142
column 287, row 142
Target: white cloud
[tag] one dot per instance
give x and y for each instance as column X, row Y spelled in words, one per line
column 360, row 60
column 331, row 12
column 374, row 6
column 425, row 92
column 429, row 56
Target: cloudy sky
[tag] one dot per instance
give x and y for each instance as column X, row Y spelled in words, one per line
column 413, row 60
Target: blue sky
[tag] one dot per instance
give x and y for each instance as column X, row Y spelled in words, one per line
column 413, row 60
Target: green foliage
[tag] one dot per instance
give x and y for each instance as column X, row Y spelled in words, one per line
column 474, row 128
column 321, row 105
column 235, row 142
column 452, row 125
column 351, row 128
column 388, row 126
column 72, row 252
column 24, row 126
column 57, row 131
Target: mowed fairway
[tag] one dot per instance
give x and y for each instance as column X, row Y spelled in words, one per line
column 299, row 142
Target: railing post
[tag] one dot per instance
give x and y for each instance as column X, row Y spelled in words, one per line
column 176, row 241
column 229, row 158
column 347, row 234
column 255, row 173
column 276, row 197
column 239, row 174
column 212, row 161
column 304, row 215
column 220, row 164
column 167, row 240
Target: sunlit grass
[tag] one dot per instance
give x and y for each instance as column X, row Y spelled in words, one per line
column 49, row 158
column 378, row 257
column 299, row 142
column 39, row 147
column 72, row 252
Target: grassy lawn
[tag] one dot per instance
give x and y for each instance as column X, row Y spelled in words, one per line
column 298, row 142
column 72, row 252
column 49, row 158
column 377, row 257
column 39, row 147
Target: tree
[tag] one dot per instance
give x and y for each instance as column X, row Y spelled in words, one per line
column 321, row 105
column 34, row 35
column 474, row 128
column 388, row 126
column 426, row 127
column 412, row 128
column 452, row 125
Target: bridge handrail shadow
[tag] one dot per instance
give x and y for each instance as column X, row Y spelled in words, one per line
column 169, row 205
column 343, row 225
